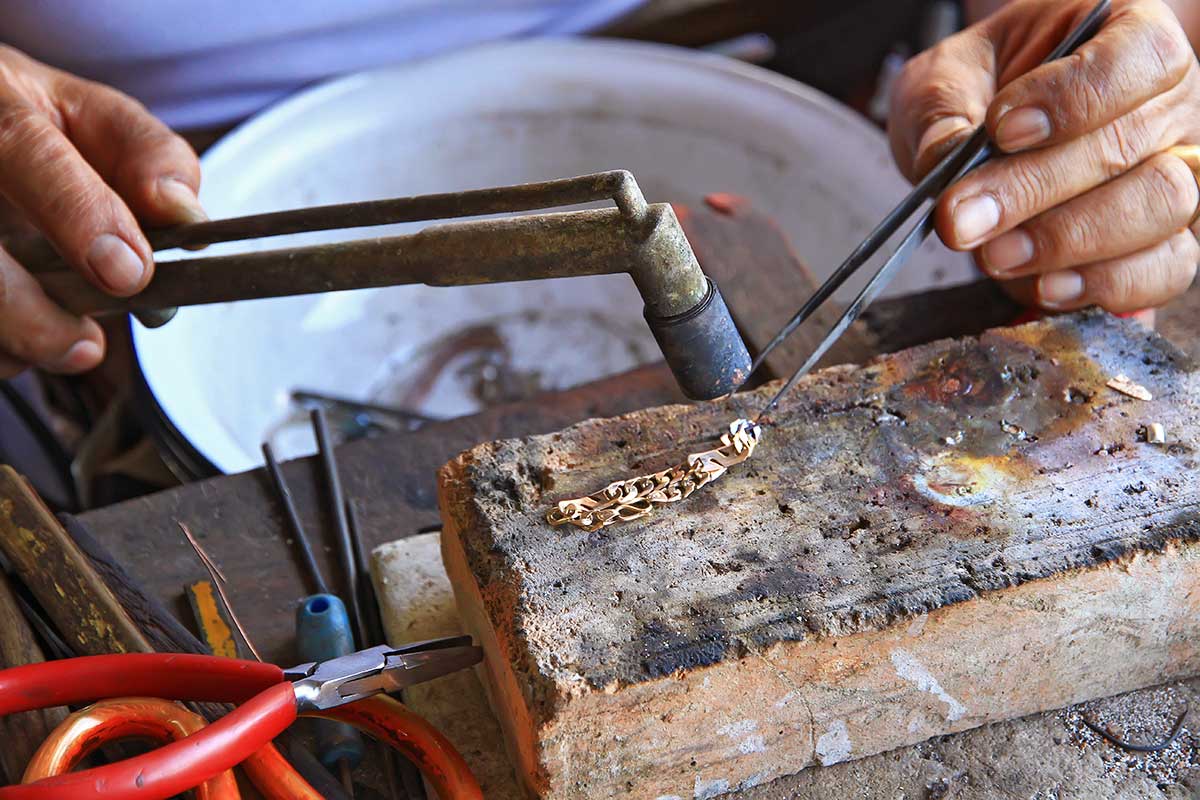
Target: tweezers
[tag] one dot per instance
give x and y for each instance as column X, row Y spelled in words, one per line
column 968, row 155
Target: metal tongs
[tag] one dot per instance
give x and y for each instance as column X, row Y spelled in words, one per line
column 967, row 156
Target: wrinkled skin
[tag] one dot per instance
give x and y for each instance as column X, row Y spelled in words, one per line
column 1086, row 207
column 87, row 167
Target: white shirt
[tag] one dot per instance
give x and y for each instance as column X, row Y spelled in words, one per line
column 199, row 63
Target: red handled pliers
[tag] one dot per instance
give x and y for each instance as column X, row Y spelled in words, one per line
column 349, row 688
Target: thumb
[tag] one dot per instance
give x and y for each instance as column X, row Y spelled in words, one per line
column 940, row 97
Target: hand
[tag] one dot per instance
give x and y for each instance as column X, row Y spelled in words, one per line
column 82, row 164
column 1086, row 208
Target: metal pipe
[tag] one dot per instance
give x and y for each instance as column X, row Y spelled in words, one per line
column 37, row 256
column 566, row 244
column 683, row 307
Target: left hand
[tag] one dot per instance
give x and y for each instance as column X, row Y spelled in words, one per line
column 1086, row 207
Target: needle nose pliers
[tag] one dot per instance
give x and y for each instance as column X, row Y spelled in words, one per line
column 349, row 688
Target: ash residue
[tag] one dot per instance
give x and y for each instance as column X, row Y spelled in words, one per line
column 1145, row 718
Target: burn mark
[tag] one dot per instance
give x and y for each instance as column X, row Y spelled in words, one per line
column 913, row 524
column 666, row 651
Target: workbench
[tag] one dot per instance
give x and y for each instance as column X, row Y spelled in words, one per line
column 393, row 477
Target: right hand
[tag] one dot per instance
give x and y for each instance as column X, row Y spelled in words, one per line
column 1090, row 204
column 82, row 164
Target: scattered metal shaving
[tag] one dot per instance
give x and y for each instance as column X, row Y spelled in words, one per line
column 1122, row 384
column 1156, row 433
column 1013, row 429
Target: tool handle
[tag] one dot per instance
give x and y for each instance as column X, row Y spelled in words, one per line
column 175, row 676
column 323, row 633
column 178, row 766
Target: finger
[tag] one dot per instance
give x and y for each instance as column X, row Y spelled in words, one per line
column 153, row 169
column 1141, row 52
column 45, row 177
column 1130, row 283
column 1144, row 206
column 33, row 330
column 1008, row 191
column 938, row 99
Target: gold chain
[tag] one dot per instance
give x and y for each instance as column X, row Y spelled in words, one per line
column 623, row 501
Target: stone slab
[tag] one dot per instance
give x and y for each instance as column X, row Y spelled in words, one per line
column 1047, row 755
column 995, row 485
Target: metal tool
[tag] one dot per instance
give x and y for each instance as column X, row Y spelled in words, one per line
column 337, row 500
column 350, row 689
column 967, row 156
column 323, row 628
column 357, row 573
column 399, row 773
column 684, row 309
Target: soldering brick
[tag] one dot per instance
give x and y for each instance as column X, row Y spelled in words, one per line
column 960, row 533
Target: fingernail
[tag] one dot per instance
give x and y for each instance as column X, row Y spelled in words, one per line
column 1060, row 288
column 116, row 264
column 939, row 132
column 1022, row 127
column 80, row 356
column 181, row 200
column 975, row 218
column 1008, row 251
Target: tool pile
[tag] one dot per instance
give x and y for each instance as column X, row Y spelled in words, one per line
column 121, row 665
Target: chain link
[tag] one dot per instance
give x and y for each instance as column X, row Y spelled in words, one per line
column 627, row 500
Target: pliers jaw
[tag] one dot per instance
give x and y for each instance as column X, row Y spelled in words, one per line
column 323, row 685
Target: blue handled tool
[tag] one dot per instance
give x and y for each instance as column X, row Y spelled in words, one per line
column 323, row 632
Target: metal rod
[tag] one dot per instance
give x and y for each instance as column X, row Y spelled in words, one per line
column 402, row 776
column 972, row 152
column 293, row 518
column 371, row 627
column 967, row 156
column 333, row 486
column 37, row 256
column 411, row 420
column 930, row 186
column 877, row 284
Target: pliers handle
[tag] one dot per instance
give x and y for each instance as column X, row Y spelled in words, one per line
column 267, row 706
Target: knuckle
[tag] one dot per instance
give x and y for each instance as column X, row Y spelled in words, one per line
column 1173, row 186
column 1184, row 256
column 1089, row 94
column 1123, row 144
column 75, row 209
column 20, row 127
column 35, row 343
column 1115, row 285
column 1029, row 188
column 1168, row 46
column 1067, row 238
